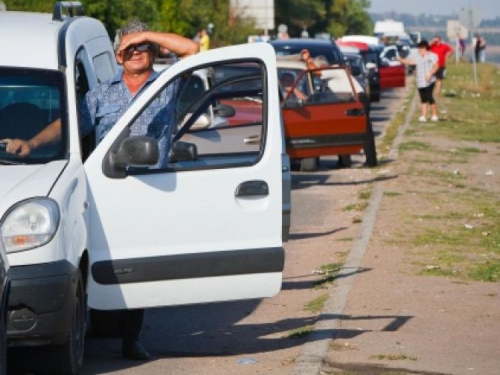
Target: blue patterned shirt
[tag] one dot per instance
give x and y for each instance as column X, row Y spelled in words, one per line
column 108, row 101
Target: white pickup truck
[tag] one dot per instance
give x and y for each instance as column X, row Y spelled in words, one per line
column 97, row 226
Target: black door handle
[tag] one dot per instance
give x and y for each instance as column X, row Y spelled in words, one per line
column 252, row 188
column 355, row 112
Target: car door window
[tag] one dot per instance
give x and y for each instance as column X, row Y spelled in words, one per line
column 213, row 125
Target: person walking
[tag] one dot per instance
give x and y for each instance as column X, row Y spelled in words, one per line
column 426, row 63
column 136, row 48
column 443, row 52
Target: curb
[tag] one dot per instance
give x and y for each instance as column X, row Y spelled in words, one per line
column 314, row 351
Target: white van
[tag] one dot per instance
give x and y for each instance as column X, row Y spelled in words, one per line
column 388, row 27
column 98, row 226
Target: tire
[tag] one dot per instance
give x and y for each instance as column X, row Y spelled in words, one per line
column 105, row 323
column 67, row 358
column 345, row 161
column 369, row 146
column 309, row 164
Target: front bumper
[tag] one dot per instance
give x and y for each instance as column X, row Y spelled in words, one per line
column 41, row 303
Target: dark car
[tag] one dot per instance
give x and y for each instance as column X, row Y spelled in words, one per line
column 4, row 291
column 316, row 47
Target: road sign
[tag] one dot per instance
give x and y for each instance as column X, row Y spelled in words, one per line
column 470, row 17
column 455, row 30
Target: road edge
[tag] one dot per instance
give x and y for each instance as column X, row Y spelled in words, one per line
column 315, row 349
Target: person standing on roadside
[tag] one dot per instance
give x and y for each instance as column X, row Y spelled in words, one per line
column 443, row 52
column 204, row 40
column 136, row 48
column 426, row 63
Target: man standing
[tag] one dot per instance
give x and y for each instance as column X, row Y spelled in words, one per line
column 443, row 52
column 136, row 48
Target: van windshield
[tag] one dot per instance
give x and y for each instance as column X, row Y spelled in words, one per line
column 31, row 99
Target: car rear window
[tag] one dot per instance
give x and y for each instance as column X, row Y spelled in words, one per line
column 330, row 52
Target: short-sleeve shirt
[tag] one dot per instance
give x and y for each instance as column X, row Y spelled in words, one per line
column 424, row 66
column 107, row 102
column 441, row 50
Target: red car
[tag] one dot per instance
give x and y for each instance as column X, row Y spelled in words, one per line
column 323, row 115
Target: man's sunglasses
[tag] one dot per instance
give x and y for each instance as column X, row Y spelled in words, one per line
column 143, row 47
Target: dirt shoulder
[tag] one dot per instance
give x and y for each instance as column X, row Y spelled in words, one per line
column 428, row 299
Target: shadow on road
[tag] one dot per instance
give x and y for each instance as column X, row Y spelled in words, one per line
column 304, row 181
column 301, row 236
column 214, row 330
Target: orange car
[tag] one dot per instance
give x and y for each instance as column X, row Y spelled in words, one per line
column 323, row 115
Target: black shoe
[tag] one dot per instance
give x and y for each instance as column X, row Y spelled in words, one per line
column 134, row 350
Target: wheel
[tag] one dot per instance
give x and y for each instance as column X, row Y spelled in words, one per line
column 105, row 323
column 309, row 164
column 344, row 161
column 67, row 358
column 369, row 146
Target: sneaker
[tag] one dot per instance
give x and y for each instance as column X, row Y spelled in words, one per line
column 434, row 119
column 422, row 119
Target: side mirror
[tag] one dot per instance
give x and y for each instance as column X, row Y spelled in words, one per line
column 138, row 151
column 355, row 70
column 224, row 110
column 183, row 151
column 293, row 103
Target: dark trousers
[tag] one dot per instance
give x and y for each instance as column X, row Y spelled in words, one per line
column 132, row 324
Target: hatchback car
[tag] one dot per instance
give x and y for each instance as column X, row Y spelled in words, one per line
column 323, row 115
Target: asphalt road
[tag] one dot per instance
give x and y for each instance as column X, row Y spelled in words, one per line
column 248, row 337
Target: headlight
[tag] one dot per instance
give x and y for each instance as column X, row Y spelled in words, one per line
column 29, row 224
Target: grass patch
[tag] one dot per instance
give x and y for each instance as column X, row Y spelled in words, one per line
column 329, row 271
column 469, row 150
column 392, row 194
column 473, row 110
column 357, row 219
column 394, row 357
column 392, row 129
column 300, row 332
column 316, row 305
column 365, row 194
column 414, row 146
column 487, row 271
column 346, row 239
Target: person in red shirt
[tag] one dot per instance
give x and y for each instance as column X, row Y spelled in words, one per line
column 443, row 51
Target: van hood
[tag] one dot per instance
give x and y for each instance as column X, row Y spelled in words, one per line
column 20, row 182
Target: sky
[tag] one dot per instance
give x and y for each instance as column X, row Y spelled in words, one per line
column 488, row 8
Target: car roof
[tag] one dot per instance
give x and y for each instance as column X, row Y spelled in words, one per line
column 349, row 49
column 36, row 40
column 30, row 39
column 371, row 40
column 302, row 42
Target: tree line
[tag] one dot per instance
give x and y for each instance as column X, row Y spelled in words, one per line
column 186, row 17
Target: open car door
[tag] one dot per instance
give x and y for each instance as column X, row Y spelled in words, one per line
column 392, row 72
column 322, row 113
column 205, row 225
